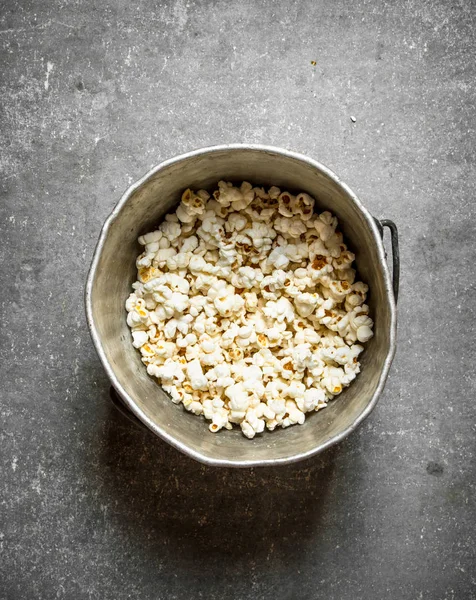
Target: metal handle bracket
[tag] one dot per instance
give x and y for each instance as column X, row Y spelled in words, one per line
column 395, row 251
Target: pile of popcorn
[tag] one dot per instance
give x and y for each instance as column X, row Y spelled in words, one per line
column 246, row 307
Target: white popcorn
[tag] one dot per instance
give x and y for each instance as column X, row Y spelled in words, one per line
column 286, row 204
column 281, row 310
column 192, row 352
column 274, row 336
column 219, row 420
column 178, row 261
column 207, row 344
column 295, row 416
column 306, row 303
column 180, row 302
column 176, row 394
column 256, row 424
column 332, row 379
column 325, row 225
column 304, row 206
column 246, row 278
column 164, row 349
column 312, row 399
column 261, row 234
column 251, row 301
column 271, row 284
column 364, row 333
column 131, row 302
column 149, row 238
column 170, row 230
column 247, row 309
column 190, row 339
column 224, row 304
column 163, row 255
column 137, row 317
column 179, row 323
column 140, row 338
column 292, row 227
column 192, row 204
column 301, row 356
column 259, row 212
column 296, row 389
column 338, row 290
column 198, row 381
column 238, row 198
column 169, row 372
column 278, row 258
column 297, row 252
column 235, row 222
column 239, row 397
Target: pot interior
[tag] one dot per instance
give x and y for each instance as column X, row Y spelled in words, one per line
column 116, row 271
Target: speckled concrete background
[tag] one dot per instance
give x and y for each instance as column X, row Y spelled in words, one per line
column 93, row 94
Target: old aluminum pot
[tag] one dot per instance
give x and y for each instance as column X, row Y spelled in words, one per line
column 113, row 270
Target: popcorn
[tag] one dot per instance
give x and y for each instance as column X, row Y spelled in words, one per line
column 338, row 290
column 312, row 399
column 364, row 333
column 190, row 339
column 297, row 252
column 304, row 206
column 296, row 390
column 137, row 317
column 219, row 420
column 177, row 395
column 301, row 357
column 293, row 227
column 239, row 397
column 178, row 261
column 179, row 323
column 170, row 372
column 163, row 255
column 251, row 301
column 285, row 204
column 140, row 338
column 238, row 198
column 306, row 303
column 246, row 278
column 180, row 302
column 132, row 302
column 149, row 238
column 295, row 416
column 191, row 206
column 332, row 380
column 164, row 349
column 261, row 235
column 281, row 310
column 235, row 222
column 247, row 309
column 170, row 230
column 198, row 381
column 278, row 258
column 256, row 425
column 325, row 226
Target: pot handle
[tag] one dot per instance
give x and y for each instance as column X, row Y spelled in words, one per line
column 395, row 251
column 124, row 410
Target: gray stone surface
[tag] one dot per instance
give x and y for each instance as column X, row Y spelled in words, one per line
column 93, row 94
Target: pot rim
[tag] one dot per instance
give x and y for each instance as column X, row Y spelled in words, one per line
column 157, row 429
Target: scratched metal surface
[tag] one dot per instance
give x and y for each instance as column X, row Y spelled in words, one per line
column 91, row 96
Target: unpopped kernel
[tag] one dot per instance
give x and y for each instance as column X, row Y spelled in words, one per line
column 246, row 308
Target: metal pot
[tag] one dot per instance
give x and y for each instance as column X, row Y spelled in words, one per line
column 113, row 271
